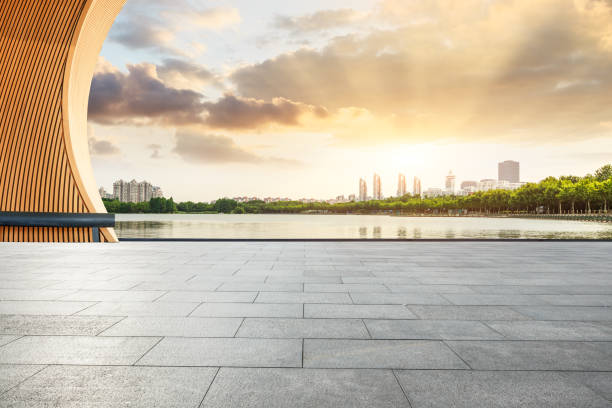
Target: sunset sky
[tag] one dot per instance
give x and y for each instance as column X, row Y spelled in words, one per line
column 301, row 98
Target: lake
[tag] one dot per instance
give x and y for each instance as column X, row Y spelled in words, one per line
column 350, row 226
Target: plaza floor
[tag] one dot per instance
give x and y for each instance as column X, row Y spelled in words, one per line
column 306, row 324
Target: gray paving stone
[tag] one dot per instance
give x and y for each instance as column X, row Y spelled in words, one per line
column 173, row 351
column 257, row 287
column 304, row 388
column 345, row 287
column 396, row 288
column 207, row 286
column 430, row 330
column 491, row 300
column 303, row 328
column 76, row 350
column 398, row 299
column 577, row 300
column 69, row 386
column 535, row 355
column 357, row 311
column 248, row 310
column 33, row 294
column 113, row 295
column 401, row 354
column 601, row 383
column 55, row 325
column 468, row 389
column 223, row 297
column 27, row 283
column 5, row 339
column 436, row 312
column 565, row 313
column 175, row 326
column 33, row 307
column 11, row 375
column 302, row 297
column 159, row 309
column 553, row 330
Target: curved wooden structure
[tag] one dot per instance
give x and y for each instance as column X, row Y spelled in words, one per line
column 48, row 52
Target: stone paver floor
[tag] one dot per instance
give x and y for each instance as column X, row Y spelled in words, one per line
column 306, row 324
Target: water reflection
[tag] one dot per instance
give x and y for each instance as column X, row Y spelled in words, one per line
column 350, row 226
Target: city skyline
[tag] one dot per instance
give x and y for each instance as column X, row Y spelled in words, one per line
column 214, row 99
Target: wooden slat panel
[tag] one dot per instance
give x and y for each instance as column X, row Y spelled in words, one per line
column 43, row 46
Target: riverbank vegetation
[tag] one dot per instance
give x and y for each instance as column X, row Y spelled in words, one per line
column 563, row 195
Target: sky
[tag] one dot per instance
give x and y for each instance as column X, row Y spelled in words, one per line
column 224, row 98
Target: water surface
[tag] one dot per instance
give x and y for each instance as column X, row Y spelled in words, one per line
column 350, row 226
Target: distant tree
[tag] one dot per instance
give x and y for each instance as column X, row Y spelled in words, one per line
column 604, row 173
column 225, row 205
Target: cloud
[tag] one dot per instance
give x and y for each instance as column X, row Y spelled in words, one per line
column 215, row 19
column 155, row 148
column 197, row 147
column 143, row 33
column 441, row 69
column 232, row 112
column 141, row 97
column 319, row 21
column 99, row 147
column 148, row 95
column 182, row 74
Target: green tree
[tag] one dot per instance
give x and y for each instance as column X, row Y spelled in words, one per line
column 604, row 173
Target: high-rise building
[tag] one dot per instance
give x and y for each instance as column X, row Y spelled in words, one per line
column 157, row 192
column 450, row 183
column 401, row 185
column 104, row 194
column 351, row 197
column 416, row 187
column 376, row 188
column 135, row 192
column 363, row 190
column 469, row 184
column 509, row 171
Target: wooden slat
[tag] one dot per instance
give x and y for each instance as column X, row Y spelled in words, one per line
column 47, row 49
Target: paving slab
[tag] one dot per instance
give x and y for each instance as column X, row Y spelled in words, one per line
column 327, row 311
column 430, row 330
column 5, row 339
column 305, row 388
column 441, row 312
column 43, row 308
column 535, row 355
column 406, row 354
column 398, row 299
column 566, row 313
column 76, row 350
column 11, row 375
column 172, row 351
column 303, row 328
column 109, row 387
column 157, row 309
column 600, row 382
column 114, row 295
column 261, row 287
column 490, row 300
column 495, row 389
column 345, row 287
column 297, row 297
column 197, row 296
column 249, row 310
column 55, row 325
column 175, row 327
column 553, row 330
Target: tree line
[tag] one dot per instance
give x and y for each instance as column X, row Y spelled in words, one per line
column 563, row 195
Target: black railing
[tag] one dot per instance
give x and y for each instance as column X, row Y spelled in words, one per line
column 58, row 220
